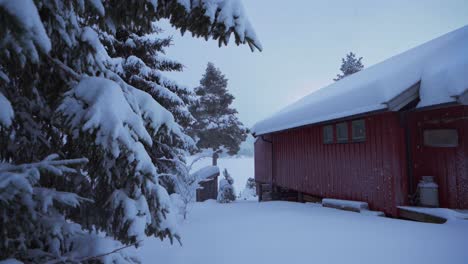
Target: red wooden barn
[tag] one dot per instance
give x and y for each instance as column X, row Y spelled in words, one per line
column 372, row 135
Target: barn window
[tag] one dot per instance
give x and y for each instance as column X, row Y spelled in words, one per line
column 342, row 132
column 441, row 138
column 359, row 130
column 328, row 134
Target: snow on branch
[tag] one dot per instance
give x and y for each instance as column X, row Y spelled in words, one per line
column 212, row 18
column 38, row 230
column 136, row 213
column 154, row 114
column 6, row 111
column 125, row 118
column 99, row 105
column 17, row 179
column 26, row 35
column 50, row 163
column 46, row 196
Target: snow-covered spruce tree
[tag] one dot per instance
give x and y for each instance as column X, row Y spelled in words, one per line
column 142, row 65
column 249, row 191
column 62, row 92
column 216, row 123
column 349, row 65
column 226, row 193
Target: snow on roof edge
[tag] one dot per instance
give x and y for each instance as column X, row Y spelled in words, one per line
column 371, row 109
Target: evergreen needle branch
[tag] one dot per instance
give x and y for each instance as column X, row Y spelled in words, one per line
column 9, row 167
column 65, row 68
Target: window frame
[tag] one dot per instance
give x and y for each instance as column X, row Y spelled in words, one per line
column 327, row 129
column 353, row 130
column 434, row 145
column 346, row 126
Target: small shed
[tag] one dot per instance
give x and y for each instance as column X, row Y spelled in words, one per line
column 372, row 135
column 208, row 181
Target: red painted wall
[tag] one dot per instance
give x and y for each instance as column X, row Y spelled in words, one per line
column 263, row 159
column 373, row 171
column 448, row 165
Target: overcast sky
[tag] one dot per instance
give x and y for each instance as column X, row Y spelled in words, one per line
column 304, row 41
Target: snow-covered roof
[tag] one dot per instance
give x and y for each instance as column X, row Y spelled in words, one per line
column 439, row 68
column 206, row 173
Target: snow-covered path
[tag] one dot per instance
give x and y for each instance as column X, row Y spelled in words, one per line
column 284, row 232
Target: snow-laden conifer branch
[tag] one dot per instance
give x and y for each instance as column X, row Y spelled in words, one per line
column 32, row 207
column 50, row 163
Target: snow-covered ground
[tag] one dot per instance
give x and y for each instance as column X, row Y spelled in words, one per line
column 286, row 232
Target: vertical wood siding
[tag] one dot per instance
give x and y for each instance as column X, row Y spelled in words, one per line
column 209, row 190
column 448, row 165
column 373, row 171
column 263, row 160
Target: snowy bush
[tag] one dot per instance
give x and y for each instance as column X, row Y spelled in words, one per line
column 250, row 191
column 250, row 184
column 226, row 193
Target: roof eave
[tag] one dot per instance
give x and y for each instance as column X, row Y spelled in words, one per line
column 334, row 120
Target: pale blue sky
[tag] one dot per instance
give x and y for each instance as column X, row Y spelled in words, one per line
column 304, row 41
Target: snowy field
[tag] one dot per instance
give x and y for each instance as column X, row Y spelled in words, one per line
column 283, row 232
column 286, row 232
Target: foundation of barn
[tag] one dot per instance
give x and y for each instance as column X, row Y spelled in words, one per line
column 268, row 192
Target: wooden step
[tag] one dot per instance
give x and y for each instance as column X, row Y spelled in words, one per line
column 408, row 213
column 353, row 206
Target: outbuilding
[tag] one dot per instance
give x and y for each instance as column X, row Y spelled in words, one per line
column 207, row 179
column 372, row 136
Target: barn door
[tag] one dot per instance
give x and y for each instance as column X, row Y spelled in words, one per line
column 439, row 151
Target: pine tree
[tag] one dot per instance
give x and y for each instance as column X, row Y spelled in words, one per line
column 67, row 86
column 349, row 65
column 216, row 125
